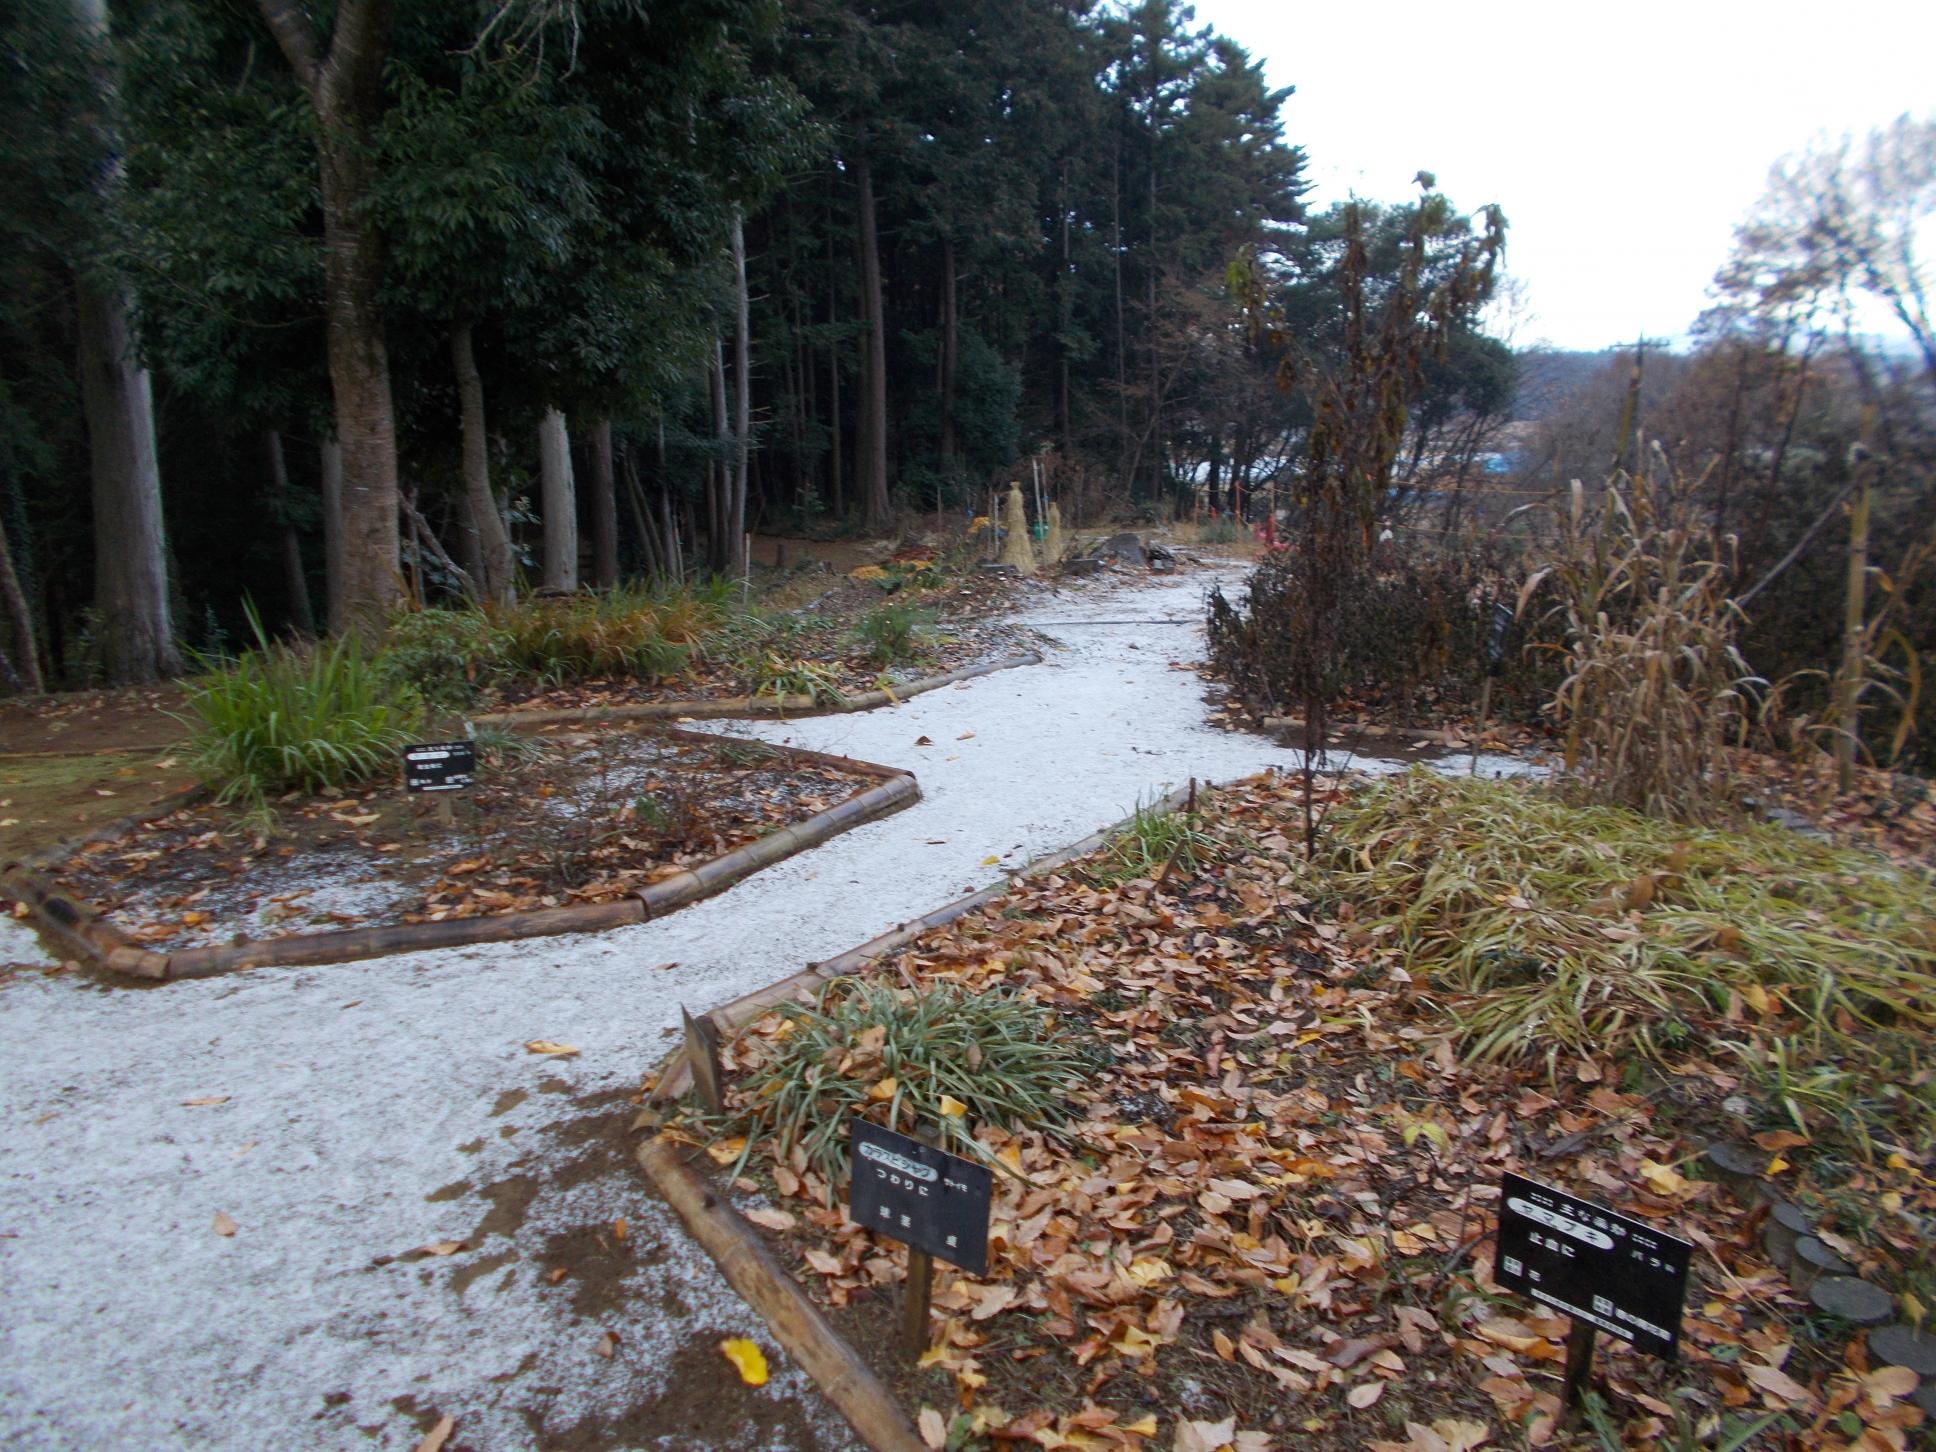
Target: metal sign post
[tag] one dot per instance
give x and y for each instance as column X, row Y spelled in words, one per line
column 1607, row 1271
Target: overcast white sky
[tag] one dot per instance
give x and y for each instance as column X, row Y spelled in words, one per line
column 1623, row 140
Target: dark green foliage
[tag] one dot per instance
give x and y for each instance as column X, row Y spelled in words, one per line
column 309, row 718
column 992, row 1053
column 894, row 632
column 446, row 656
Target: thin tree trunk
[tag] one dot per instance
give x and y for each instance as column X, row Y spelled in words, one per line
column 295, row 578
column 1064, row 291
column 1122, row 345
column 949, row 343
column 1849, row 680
column 642, row 519
column 603, row 499
column 560, row 504
column 496, row 580
column 876, row 509
column 742, row 406
column 835, row 480
column 130, row 559
column 718, row 471
column 335, row 590
column 21, row 619
column 345, row 90
column 130, row 548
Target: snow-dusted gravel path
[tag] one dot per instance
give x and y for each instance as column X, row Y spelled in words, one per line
column 368, row 1109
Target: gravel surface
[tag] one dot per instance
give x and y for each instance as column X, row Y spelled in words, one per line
column 369, row 1109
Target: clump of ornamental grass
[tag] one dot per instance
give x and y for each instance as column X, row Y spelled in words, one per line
column 893, row 632
column 770, row 673
column 1655, row 690
column 312, row 718
column 1156, row 840
column 584, row 636
column 934, row 1063
column 1549, row 929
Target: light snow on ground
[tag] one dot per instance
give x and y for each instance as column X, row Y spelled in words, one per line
column 368, row 1109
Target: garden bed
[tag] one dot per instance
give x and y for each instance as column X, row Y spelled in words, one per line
column 566, row 828
column 1267, row 1208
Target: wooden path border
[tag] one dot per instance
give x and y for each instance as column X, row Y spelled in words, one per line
column 676, row 1076
column 737, row 1248
column 86, row 935
column 756, row 707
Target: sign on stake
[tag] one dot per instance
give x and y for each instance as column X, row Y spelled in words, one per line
column 1607, row 1271
column 439, row 767
column 702, row 1053
column 935, row 1202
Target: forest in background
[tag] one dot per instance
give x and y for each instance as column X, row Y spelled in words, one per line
column 449, row 299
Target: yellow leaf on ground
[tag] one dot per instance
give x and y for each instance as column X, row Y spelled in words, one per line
column 952, row 1107
column 435, row 1438
column 223, row 1225
column 883, row 1091
column 1148, row 1270
column 1663, row 1179
column 548, row 1046
column 747, row 1358
column 725, row 1151
column 990, row 860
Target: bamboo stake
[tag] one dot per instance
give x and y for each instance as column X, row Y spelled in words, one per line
column 1848, row 681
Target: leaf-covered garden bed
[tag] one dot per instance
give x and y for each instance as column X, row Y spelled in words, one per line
column 559, row 818
column 1263, row 1214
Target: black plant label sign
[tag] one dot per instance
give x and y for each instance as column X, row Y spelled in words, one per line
column 439, row 766
column 1606, row 1269
column 932, row 1200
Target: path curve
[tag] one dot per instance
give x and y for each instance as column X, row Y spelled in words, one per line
column 355, row 1113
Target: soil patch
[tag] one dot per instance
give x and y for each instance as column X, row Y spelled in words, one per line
column 575, row 816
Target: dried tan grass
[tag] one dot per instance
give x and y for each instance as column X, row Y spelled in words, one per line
column 1655, row 692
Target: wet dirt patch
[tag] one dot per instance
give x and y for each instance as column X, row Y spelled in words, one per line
column 703, row 1402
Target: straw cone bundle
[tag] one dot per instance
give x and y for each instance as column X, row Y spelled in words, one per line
column 1052, row 546
column 1015, row 548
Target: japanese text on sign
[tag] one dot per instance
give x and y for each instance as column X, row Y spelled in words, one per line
column 933, row 1200
column 1607, row 1269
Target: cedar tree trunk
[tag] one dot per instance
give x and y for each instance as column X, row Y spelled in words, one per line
column 871, row 447
column 560, row 503
column 495, row 580
column 130, row 570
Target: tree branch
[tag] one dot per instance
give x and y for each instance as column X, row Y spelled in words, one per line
column 296, row 37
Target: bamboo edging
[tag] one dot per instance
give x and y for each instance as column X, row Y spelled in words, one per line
column 843, row 1378
column 90, row 937
column 740, row 707
column 724, row 1234
column 676, row 1077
